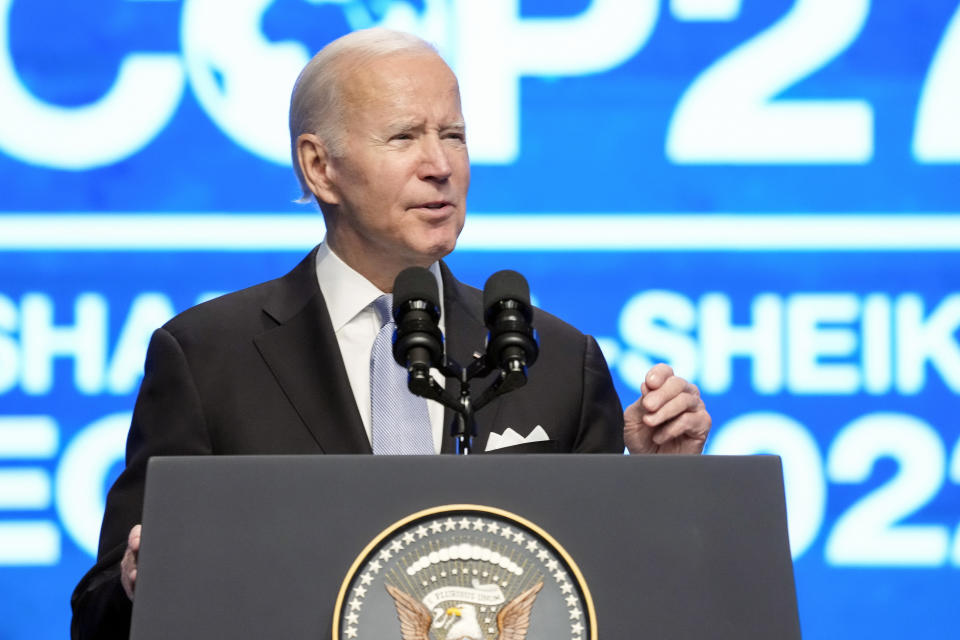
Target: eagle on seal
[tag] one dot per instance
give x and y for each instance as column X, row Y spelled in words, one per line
column 512, row 621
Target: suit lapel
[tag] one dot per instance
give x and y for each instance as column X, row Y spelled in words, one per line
column 304, row 357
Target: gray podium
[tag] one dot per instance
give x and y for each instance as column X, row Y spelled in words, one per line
column 287, row 546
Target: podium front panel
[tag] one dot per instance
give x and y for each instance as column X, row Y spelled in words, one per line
column 668, row 546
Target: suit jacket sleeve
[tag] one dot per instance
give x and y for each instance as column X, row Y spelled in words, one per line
column 167, row 420
column 601, row 415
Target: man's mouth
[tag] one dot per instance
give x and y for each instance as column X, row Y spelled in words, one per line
column 437, row 204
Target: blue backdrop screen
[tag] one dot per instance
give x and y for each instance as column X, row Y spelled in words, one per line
column 763, row 194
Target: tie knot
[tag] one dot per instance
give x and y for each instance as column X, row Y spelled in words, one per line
column 384, row 308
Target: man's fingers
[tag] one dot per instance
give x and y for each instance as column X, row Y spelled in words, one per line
column 133, row 540
column 637, row 436
column 691, row 426
column 128, row 565
column 639, row 439
column 683, row 402
column 128, row 572
column 656, row 400
column 659, row 374
column 669, row 417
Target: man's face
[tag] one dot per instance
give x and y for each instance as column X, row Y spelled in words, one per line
column 401, row 180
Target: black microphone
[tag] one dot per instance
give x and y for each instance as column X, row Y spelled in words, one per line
column 512, row 342
column 417, row 343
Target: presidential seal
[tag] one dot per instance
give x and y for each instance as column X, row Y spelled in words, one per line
column 464, row 572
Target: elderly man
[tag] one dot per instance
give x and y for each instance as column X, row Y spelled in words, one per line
column 285, row 367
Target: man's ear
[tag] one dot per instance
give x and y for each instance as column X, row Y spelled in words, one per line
column 314, row 162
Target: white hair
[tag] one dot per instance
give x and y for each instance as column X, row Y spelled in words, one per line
column 316, row 103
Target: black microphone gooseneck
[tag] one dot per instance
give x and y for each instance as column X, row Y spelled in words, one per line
column 418, row 344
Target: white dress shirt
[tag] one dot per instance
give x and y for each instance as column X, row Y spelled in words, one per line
column 349, row 297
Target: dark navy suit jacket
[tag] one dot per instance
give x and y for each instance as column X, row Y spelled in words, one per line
column 259, row 371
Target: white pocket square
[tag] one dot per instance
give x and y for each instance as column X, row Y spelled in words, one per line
column 510, row 438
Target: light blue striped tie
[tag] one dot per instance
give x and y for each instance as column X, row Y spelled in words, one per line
column 399, row 422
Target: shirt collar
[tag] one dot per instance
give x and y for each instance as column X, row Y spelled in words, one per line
column 346, row 292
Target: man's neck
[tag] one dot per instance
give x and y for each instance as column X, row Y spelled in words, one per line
column 372, row 267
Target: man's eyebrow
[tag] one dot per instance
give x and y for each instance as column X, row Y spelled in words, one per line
column 403, row 125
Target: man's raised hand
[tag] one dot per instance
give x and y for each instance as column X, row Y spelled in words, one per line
column 668, row 418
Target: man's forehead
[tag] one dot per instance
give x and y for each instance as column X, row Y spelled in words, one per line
column 397, row 73
column 401, row 92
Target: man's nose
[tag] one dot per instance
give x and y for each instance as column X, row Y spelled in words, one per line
column 435, row 163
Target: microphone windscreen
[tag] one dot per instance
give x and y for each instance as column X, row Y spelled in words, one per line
column 415, row 283
column 505, row 285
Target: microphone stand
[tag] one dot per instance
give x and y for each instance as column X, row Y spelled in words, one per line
column 511, row 345
column 463, row 428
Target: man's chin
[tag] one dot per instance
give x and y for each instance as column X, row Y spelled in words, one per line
column 437, row 253
column 440, row 246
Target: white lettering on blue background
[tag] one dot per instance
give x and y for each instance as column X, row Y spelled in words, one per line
column 838, row 331
column 243, row 80
column 760, row 341
column 806, row 343
column 84, row 341
column 28, row 539
column 138, row 106
column 82, row 477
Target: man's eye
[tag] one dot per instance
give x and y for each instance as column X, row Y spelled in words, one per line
column 402, row 136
